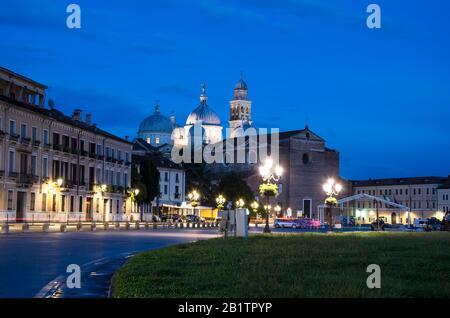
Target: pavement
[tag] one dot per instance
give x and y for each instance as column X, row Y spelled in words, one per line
column 34, row 264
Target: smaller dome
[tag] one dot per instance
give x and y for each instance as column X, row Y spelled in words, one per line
column 156, row 123
column 241, row 84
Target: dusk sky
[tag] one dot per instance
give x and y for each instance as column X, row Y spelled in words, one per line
column 380, row 97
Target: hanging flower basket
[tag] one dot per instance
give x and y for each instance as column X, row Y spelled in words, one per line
column 268, row 189
column 331, row 201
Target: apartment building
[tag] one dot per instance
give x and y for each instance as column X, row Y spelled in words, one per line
column 419, row 194
column 57, row 167
column 443, row 193
column 172, row 177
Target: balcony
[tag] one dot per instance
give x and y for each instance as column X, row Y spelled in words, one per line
column 36, row 143
column 13, row 175
column 2, row 173
column 177, row 195
column 58, row 147
column 28, row 179
column 2, row 134
column 109, row 159
column 127, row 163
column 25, row 141
column 100, row 157
column 14, row 137
column 84, row 153
column 47, row 146
column 92, row 155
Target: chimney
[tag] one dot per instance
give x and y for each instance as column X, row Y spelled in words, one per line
column 88, row 119
column 76, row 114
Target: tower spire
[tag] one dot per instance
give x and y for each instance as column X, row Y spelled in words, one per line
column 203, row 96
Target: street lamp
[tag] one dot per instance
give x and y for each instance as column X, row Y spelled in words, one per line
column 270, row 176
column 59, row 182
column 240, row 203
column 194, row 197
column 220, row 200
column 278, row 209
column 332, row 189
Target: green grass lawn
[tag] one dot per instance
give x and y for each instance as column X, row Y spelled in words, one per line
column 304, row 265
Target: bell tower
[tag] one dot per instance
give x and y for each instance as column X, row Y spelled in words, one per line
column 240, row 107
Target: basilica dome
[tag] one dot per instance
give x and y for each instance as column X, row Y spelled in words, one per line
column 156, row 123
column 203, row 112
column 241, row 84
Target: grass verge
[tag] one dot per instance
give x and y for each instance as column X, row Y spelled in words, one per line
column 304, row 265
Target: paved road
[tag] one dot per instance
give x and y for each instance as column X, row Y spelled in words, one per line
column 29, row 261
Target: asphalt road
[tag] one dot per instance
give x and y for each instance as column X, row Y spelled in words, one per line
column 28, row 262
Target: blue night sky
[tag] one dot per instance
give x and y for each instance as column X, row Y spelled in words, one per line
column 381, row 97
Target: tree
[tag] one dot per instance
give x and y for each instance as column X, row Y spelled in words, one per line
column 136, row 183
column 234, row 187
column 198, row 177
column 150, row 178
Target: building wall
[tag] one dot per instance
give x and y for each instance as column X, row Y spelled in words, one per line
column 422, row 199
column 443, row 197
column 31, row 162
column 170, row 181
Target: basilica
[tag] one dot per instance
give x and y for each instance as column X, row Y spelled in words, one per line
column 163, row 132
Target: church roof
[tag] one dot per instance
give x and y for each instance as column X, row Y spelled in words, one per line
column 241, row 84
column 203, row 112
column 156, row 123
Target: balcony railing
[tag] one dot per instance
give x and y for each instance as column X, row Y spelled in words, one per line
column 14, row 137
column 25, row 178
column 25, row 141
column 36, row 143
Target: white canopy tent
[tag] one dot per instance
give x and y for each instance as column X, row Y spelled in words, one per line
column 361, row 197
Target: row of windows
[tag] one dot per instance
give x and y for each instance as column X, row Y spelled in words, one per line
column 156, row 140
column 52, row 200
column 166, row 190
column 415, row 191
column 445, row 197
column 166, row 177
column 414, row 204
column 65, row 170
column 66, row 141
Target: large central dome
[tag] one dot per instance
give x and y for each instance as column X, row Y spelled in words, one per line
column 203, row 112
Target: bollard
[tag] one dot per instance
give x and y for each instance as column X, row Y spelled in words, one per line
column 136, row 226
column 46, row 227
column 155, row 225
column 106, row 226
column 63, row 228
column 117, row 225
column 181, row 225
column 93, row 226
column 127, row 225
column 79, row 226
column 203, row 224
column 5, row 228
column 177, row 225
column 146, row 225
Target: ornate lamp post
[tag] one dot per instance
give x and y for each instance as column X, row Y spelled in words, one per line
column 194, row 197
column 268, row 188
column 220, row 200
column 240, row 203
column 332, row 189
column 255, row 206
column 277, row 209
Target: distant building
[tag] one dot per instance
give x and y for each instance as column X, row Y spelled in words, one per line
column 162, row 131
column 443, row 197
column 57, row 167
column 172, row 178
column 419, row 194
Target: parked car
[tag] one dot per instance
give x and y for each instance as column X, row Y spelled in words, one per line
column 380, row 224
column 306, row 223
column 156, row 218
column 194, row 218
column 433, row 224
column 286, row 223
column 420, row 223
